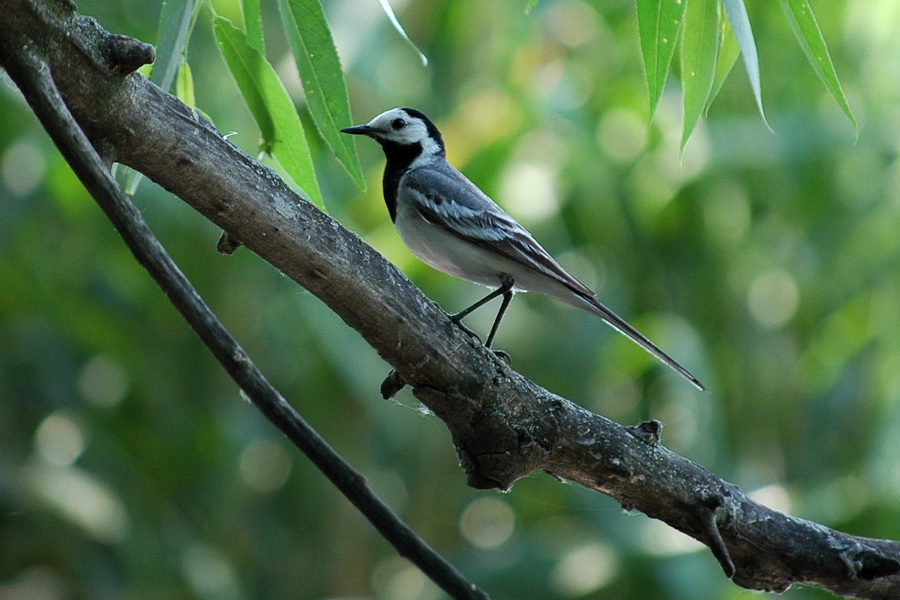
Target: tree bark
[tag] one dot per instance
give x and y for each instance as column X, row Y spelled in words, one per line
column 503, row 426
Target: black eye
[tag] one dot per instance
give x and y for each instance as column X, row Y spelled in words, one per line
column 398, row 123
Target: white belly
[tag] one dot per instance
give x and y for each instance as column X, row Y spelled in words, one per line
column 446, row 252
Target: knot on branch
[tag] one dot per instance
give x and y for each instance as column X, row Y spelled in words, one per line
column 391, row 385
column 228, row 245
column 868, row 564
column 126, row 55
column 648, row 431
column 494, row 452
column 494, row 449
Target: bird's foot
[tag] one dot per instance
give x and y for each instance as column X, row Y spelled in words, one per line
column 457, row 320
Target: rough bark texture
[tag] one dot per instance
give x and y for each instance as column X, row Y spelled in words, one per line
column 504, row 426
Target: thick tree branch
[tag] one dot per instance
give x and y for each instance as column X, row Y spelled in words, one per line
column 504, row 427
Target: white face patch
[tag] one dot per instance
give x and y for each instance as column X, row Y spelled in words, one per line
column 396, row 125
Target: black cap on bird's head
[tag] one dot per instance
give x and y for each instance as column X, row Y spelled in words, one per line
column 402, row 127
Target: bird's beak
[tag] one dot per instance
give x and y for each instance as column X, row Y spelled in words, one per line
column 359, row 130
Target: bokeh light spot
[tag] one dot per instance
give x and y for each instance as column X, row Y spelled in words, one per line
column 397, row 579
column 774, row 496
column 773, row 298
column 22, row 167
column 584, row 569
column 103, row 381
column 661, row 540
column 59, row 440
column 622, row 134
column 81, row 498
column 264, row 466
column 487, row 522
column 209, row 572
column 528, row 190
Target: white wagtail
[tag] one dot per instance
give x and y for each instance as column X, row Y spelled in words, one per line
column 451, row 225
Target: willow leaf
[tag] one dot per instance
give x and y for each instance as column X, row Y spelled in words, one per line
column 740, row 24
column 803, row 22
column 699, row 50
column 322, row 77
column 659, row 22
column 270, row 105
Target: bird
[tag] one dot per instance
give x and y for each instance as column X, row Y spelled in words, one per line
column 454, row 227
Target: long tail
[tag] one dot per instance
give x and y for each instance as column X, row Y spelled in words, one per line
column 622, row 326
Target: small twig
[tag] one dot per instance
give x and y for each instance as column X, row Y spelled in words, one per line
column 227, row 244
column 392, row 385
column 33, row 77
column 710, row 507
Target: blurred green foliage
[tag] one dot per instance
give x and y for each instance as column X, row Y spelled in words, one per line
column 767, row 262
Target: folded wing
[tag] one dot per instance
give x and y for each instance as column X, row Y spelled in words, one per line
column 446, row 199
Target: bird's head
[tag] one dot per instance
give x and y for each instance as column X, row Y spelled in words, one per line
column 402, row 128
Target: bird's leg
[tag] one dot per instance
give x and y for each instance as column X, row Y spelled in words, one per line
column 467, row 311
column 504, row 290
column 507, row 298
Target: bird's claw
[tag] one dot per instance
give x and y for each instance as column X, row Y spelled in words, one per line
column 502, row 354
column 457, row 320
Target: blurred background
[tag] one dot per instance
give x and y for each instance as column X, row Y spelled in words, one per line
column 767, row 262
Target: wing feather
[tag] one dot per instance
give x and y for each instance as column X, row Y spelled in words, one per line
column 447, row 199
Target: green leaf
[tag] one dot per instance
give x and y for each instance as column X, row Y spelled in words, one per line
column 270, row 105
column 132, row 180
column 740, row 25
column 175, row 22
column 728, row 53
column 253, row 25
column 322, row 78
column 803, row 22
column 699, row 50
column 658, row 24
column 386, row 7
column 184, row 85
